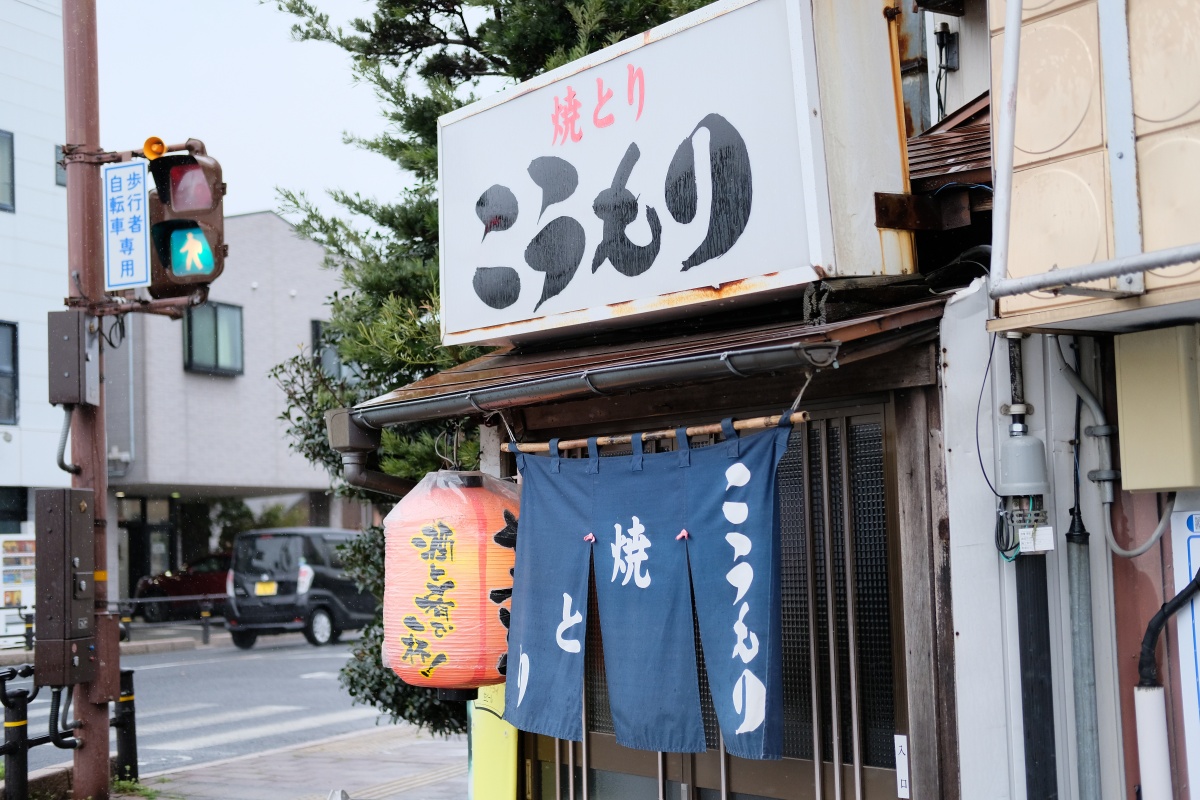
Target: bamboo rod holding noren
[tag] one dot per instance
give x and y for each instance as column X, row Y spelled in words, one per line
column 626, row 438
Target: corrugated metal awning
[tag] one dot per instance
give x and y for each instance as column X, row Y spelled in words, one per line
column 956, row 150
column 510, row 377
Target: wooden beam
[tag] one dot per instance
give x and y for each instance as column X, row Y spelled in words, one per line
column 911, row 367
column 939, row 511
column 917, row 564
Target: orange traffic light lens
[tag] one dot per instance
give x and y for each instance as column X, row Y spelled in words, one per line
column 189, row 188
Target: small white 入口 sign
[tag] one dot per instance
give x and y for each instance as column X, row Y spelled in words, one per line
column 903, row 787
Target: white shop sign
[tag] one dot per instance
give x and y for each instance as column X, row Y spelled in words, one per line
column 679, row 167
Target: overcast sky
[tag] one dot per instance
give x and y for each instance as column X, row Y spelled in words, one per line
column 227, row 72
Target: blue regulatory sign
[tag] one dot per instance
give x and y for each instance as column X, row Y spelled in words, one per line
column 126, row 227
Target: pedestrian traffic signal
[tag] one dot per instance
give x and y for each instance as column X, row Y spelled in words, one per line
column 187, row 218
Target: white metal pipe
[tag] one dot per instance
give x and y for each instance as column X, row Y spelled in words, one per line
column 1154, row 760
column 1156, row 259
column 1006, row 139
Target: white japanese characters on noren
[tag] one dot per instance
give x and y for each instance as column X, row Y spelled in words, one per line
column 628, row 554
column 749, row 693
column 569, row 621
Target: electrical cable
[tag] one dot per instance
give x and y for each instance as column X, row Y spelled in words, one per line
column 1159, row 530
column 1085, row 394
column 118, row 327
column 74, row 469
column 1007, row 543
column 939, row 86
column 978, row 407
column 957, row 185
column 1147, row 667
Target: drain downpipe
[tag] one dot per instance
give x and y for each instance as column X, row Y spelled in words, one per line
column 356, row 446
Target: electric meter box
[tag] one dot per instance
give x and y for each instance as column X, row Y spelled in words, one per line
column 1158, row 408
column 66, row 594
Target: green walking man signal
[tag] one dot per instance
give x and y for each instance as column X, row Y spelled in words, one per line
column 187, row 218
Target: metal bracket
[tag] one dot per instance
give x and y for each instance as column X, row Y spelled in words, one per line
column 920, row 212
column 587, row 379
column 172, row 307
column 75, row 154
column 1131, row 290
column 1098, row 475
column 1020, row 408
column 953, row 8
column 1128, row 285
column 729, row 366
column 821, row 355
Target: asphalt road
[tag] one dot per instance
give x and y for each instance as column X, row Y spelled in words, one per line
column 217, row 701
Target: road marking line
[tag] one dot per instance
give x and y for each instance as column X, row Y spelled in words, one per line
column 191, row 723
column 385, row 790
column 43, row 712
column 197, row 662
column 263, row 731
column 162, row 712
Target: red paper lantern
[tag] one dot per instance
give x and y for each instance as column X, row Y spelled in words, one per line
column 448, row 580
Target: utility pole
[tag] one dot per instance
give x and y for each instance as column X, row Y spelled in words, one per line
column 88, row 442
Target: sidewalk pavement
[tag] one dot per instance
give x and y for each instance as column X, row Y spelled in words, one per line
column 391, row 762
column 394, row 762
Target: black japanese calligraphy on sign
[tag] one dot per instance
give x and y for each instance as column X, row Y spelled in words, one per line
column 558, row 248
column 436, row 542
column 496, row 209
column 556, row 177
column 499, row 287
column 506, row 537
column 436, row 545
column 618, row 207
column 732, row 188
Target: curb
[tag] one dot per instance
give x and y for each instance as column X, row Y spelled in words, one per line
column 261, row 754
column 56, row 781
column 12, row 658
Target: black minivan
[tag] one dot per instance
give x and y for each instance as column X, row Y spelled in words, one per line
column 292, row 579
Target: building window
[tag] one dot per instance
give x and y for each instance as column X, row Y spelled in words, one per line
column 212, row 339
column 8, row 192
column 60, row 169
column 8, row 373
column 325, row 354
column 12, row 508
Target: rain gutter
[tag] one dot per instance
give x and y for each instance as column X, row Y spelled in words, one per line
column 355, row 432
column 601, row 381
column 1006, row 135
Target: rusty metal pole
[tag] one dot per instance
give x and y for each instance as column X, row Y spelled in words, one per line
column 85, row 279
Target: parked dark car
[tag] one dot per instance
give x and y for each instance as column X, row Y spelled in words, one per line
column 205, row 576
column 292, row 579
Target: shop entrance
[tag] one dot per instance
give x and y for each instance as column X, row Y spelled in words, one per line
column 842, row 655
column 150, row 537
